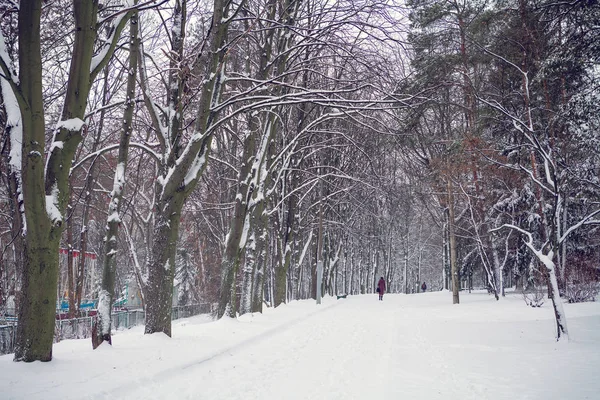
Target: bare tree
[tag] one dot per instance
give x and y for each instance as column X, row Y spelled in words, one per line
column 45, row 186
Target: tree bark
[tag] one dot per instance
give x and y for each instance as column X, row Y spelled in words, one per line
column 159, row 297
column 70, row 272
column 180, row 175
column 452, row 242
column 36, row 313
column 46, row 190
column 106, row 294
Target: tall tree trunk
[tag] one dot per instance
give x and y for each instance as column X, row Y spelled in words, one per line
column 253, row 174
column 498, row 270
column 89, row 182
column 36, row 314
column 234, row 246
column 180, row 174
column 319, row 270
column 70, row 271
column 46, row 190
column 286, row 252
column 452, row 242
column 260, row 229
column 159, row 297
column 559, row 312
column 406, row 244
column 102, row 333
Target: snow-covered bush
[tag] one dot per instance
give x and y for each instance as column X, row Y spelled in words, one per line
column 579, row 292
column 534, row 296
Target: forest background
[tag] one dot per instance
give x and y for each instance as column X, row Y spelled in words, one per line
column 248, row 152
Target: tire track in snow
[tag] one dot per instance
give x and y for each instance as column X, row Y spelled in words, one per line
column 124, row 391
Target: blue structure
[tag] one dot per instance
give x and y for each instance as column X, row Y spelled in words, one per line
column 84, row 305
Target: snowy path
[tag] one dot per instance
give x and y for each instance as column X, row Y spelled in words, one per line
column 359, row 348
column 406, row 347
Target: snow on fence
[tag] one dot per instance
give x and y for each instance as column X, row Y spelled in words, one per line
column 81, row 328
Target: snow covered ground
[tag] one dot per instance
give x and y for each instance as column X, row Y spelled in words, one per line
column 405, row 347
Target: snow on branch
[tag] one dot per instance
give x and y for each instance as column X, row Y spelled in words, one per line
column 52, row 206
column 6, row 64
column 14, row 123
column 536, row 180
column 546, row 259
column 119, row 20
column 587, row 220
column 73, row 124
column 98, row 153
column 140, row 273
column 14, row 126
column 194, row 171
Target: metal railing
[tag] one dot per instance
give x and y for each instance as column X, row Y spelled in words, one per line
column 81, row 328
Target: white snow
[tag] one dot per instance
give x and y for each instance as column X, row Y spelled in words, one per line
column 195, row 168
column 104, row 310
column 13, row 115
column 52, row 206
column 6, row 60
column 114, row 216
column 406, row 347
column 103, row 53
column 73, row 125
column 245, row 230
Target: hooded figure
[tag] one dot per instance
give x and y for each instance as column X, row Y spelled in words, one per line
column 381, row 287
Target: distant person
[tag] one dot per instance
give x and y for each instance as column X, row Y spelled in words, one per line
column 423, row 287
column 381, row 287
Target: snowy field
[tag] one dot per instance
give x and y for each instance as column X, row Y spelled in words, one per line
column 406, row 347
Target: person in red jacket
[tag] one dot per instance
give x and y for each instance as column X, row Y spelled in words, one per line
column 381, row 287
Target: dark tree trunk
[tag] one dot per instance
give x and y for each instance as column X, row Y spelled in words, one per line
column 48, row 188
column 36, row 314
column 159, row 293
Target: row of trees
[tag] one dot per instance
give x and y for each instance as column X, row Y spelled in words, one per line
column 508, row 133
column 229, row 148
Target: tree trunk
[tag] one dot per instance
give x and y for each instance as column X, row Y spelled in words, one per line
column 106, row 294
column 559, row 312
column 286, row 252
column 235, row 242
column 159, row 293
column 248, row 280
column 36, row 314
column 261, row 234
column 48, row 188
column 498, row 271
column 70, row 271
column 406, row 243
column 319, row 269
column 452, row 241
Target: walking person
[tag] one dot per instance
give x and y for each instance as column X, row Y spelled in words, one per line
column 423, row 287
column 381, row 287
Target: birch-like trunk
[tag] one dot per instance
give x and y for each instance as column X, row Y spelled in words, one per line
column 559, row 312
column 498, row 270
